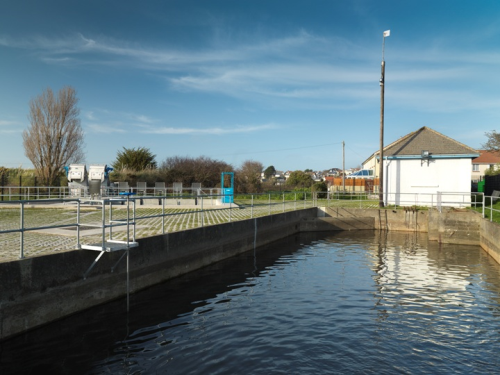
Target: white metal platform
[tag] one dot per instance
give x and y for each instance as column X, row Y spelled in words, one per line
column 110, row 246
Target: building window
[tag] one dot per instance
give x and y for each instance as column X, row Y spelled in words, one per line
column 475, row 167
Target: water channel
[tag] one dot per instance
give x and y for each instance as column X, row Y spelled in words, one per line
column 345, row 303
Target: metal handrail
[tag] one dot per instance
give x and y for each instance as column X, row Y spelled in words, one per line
column 276, row 203
column 492, row 199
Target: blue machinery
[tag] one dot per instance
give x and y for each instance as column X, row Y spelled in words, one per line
column 227, row 192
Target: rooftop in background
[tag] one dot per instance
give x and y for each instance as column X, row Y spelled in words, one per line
column 487, row 157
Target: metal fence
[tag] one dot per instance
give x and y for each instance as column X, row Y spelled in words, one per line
column 17, row 193
column 43, row 226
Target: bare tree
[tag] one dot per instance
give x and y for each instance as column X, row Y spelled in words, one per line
column 493, row 143
column 55, row 136
column 248, row 177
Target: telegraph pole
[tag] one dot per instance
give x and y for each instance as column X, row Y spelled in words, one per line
column 381, row 159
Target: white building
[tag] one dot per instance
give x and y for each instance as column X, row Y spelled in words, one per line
column 423, row 167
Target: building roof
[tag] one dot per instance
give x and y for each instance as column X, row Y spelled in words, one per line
column 428, row 139
column 487, row 157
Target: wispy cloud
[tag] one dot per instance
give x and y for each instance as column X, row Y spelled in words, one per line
column 210, row 131
column 106, row 121
column 89, row 115
column 441, row 100
column 8, row 123
column 142, row 119
column 105, row 128
column 302, row 68
column 10, row 127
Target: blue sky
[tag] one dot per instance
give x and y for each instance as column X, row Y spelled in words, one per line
column 279, row 82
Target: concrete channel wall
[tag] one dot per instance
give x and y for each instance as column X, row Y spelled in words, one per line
column 38, row 290
column 453, row 226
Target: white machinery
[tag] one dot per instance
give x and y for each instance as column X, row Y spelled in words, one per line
column 77, row 179
column 98, row 180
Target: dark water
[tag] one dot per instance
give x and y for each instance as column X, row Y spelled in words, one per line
column 360, row 303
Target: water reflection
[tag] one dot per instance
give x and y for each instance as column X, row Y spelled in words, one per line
column 372, row 302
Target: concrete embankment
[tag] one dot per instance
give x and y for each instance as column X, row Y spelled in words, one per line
column 453, row 226
column 38, row 290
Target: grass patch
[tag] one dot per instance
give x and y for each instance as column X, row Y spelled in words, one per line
column 490, row 210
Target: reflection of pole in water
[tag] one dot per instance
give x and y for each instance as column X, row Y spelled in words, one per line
column 411, row 243
column 381, row 269
column 255, row 249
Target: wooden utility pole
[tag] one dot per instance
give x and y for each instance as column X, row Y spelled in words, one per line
column 381, row 156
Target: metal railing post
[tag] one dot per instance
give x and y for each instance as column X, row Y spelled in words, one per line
column 163, row 215
column 128, row 220
column 103, row 218
column 251, row 209
column 133, row 218
column 283, row 202
column 21, row 255
column 269, row 204
column 202, row 213
column 110, row 219
column 484, row 203
column 491, row 208
column 78, row 224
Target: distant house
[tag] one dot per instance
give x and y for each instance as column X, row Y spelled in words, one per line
column 485, row 161
column 334, row 172
column 422, row 164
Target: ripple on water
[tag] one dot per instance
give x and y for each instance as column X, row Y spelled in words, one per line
column 335, row 308
column 363, row 304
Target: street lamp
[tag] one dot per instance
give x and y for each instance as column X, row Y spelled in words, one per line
column 381, row 159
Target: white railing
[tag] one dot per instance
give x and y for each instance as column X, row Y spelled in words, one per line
column 17, row 193
column 188, row 211
column 488, row 203
column 162, row 214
